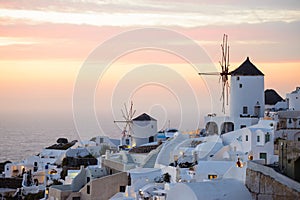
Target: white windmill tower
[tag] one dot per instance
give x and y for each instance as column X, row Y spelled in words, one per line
column 126, row 139
column 246, row 95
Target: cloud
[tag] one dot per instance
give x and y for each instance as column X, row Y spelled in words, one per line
column 60, row 27
column 268, row 42
column 146, row 13
column 7, row 41
column 144, row 5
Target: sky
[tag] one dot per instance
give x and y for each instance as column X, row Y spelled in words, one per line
column 44, row 46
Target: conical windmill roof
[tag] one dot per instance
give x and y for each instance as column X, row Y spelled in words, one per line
column 144, row 117
column 247, row 68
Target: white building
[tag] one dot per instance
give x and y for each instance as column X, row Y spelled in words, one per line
column 274, row 102
column 51, row 157
column 247, row 91
column 144, row 130
column 246, row 101
column 216, row 189
column 293, row 99
column 140, row 177
column 289, row 120
column 256, row 141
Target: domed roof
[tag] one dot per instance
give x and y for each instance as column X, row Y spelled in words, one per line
column 272, row 97
column 247, row 68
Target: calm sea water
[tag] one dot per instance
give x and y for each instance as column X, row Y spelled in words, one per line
column 24, row 136
column 27, row 134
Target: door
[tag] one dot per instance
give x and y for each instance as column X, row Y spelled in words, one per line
column 263, row 156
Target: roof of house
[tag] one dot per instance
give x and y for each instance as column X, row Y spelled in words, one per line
column 247, row 68
column 144, row 117
column 62, row 187
column 272, row 97
column 288, row 114
column 143, row 149
column 218, row 189
column 78, row 152
column 95, row 171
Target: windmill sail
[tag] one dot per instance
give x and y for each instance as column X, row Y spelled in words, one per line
column 224, row 63
column 128, row 116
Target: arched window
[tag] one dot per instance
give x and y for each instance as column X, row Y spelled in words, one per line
column 211, row 128
column 297, row 136
column 227, row 127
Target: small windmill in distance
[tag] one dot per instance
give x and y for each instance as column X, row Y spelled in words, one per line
column 127, row 131
column 224, row 73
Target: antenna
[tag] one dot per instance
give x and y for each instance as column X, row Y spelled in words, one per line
column 224, row 63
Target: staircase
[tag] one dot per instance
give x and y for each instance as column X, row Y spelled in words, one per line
column 151, row 158
column 129, row 158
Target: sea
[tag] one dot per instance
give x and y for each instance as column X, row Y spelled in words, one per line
column 24, row 136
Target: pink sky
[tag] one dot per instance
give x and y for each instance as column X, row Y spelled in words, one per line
column 43, row 46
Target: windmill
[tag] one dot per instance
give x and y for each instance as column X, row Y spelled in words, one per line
column 224, row 73
column 127, row 115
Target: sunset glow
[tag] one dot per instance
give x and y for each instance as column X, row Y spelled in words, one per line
column 43, row 46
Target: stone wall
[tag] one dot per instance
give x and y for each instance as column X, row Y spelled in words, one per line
column 113, row 166
column 61, row 192
column 265, row 183
column 105, row 187
column 289, row 154
column 10, row 183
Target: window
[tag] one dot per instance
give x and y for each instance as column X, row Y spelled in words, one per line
column 299, row 139
column 237, row 78
column 88, row 179
column 246, row 137
column 101, row 140
column 239, row 138
column 241, row 85
column 263, row 156
column 227, row 127
column 257, row 110
column 76, row 198
column 267, row 137
column 122, row 188
column 243, row 126
column 245, row 110
column 151, row 139
column 258, row 138
column 88, row 189
column 212, row 176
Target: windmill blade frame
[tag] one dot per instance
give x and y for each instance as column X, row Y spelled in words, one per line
column 126, row 111
column 127, row 115
column 224, row 63
column 209, row 73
